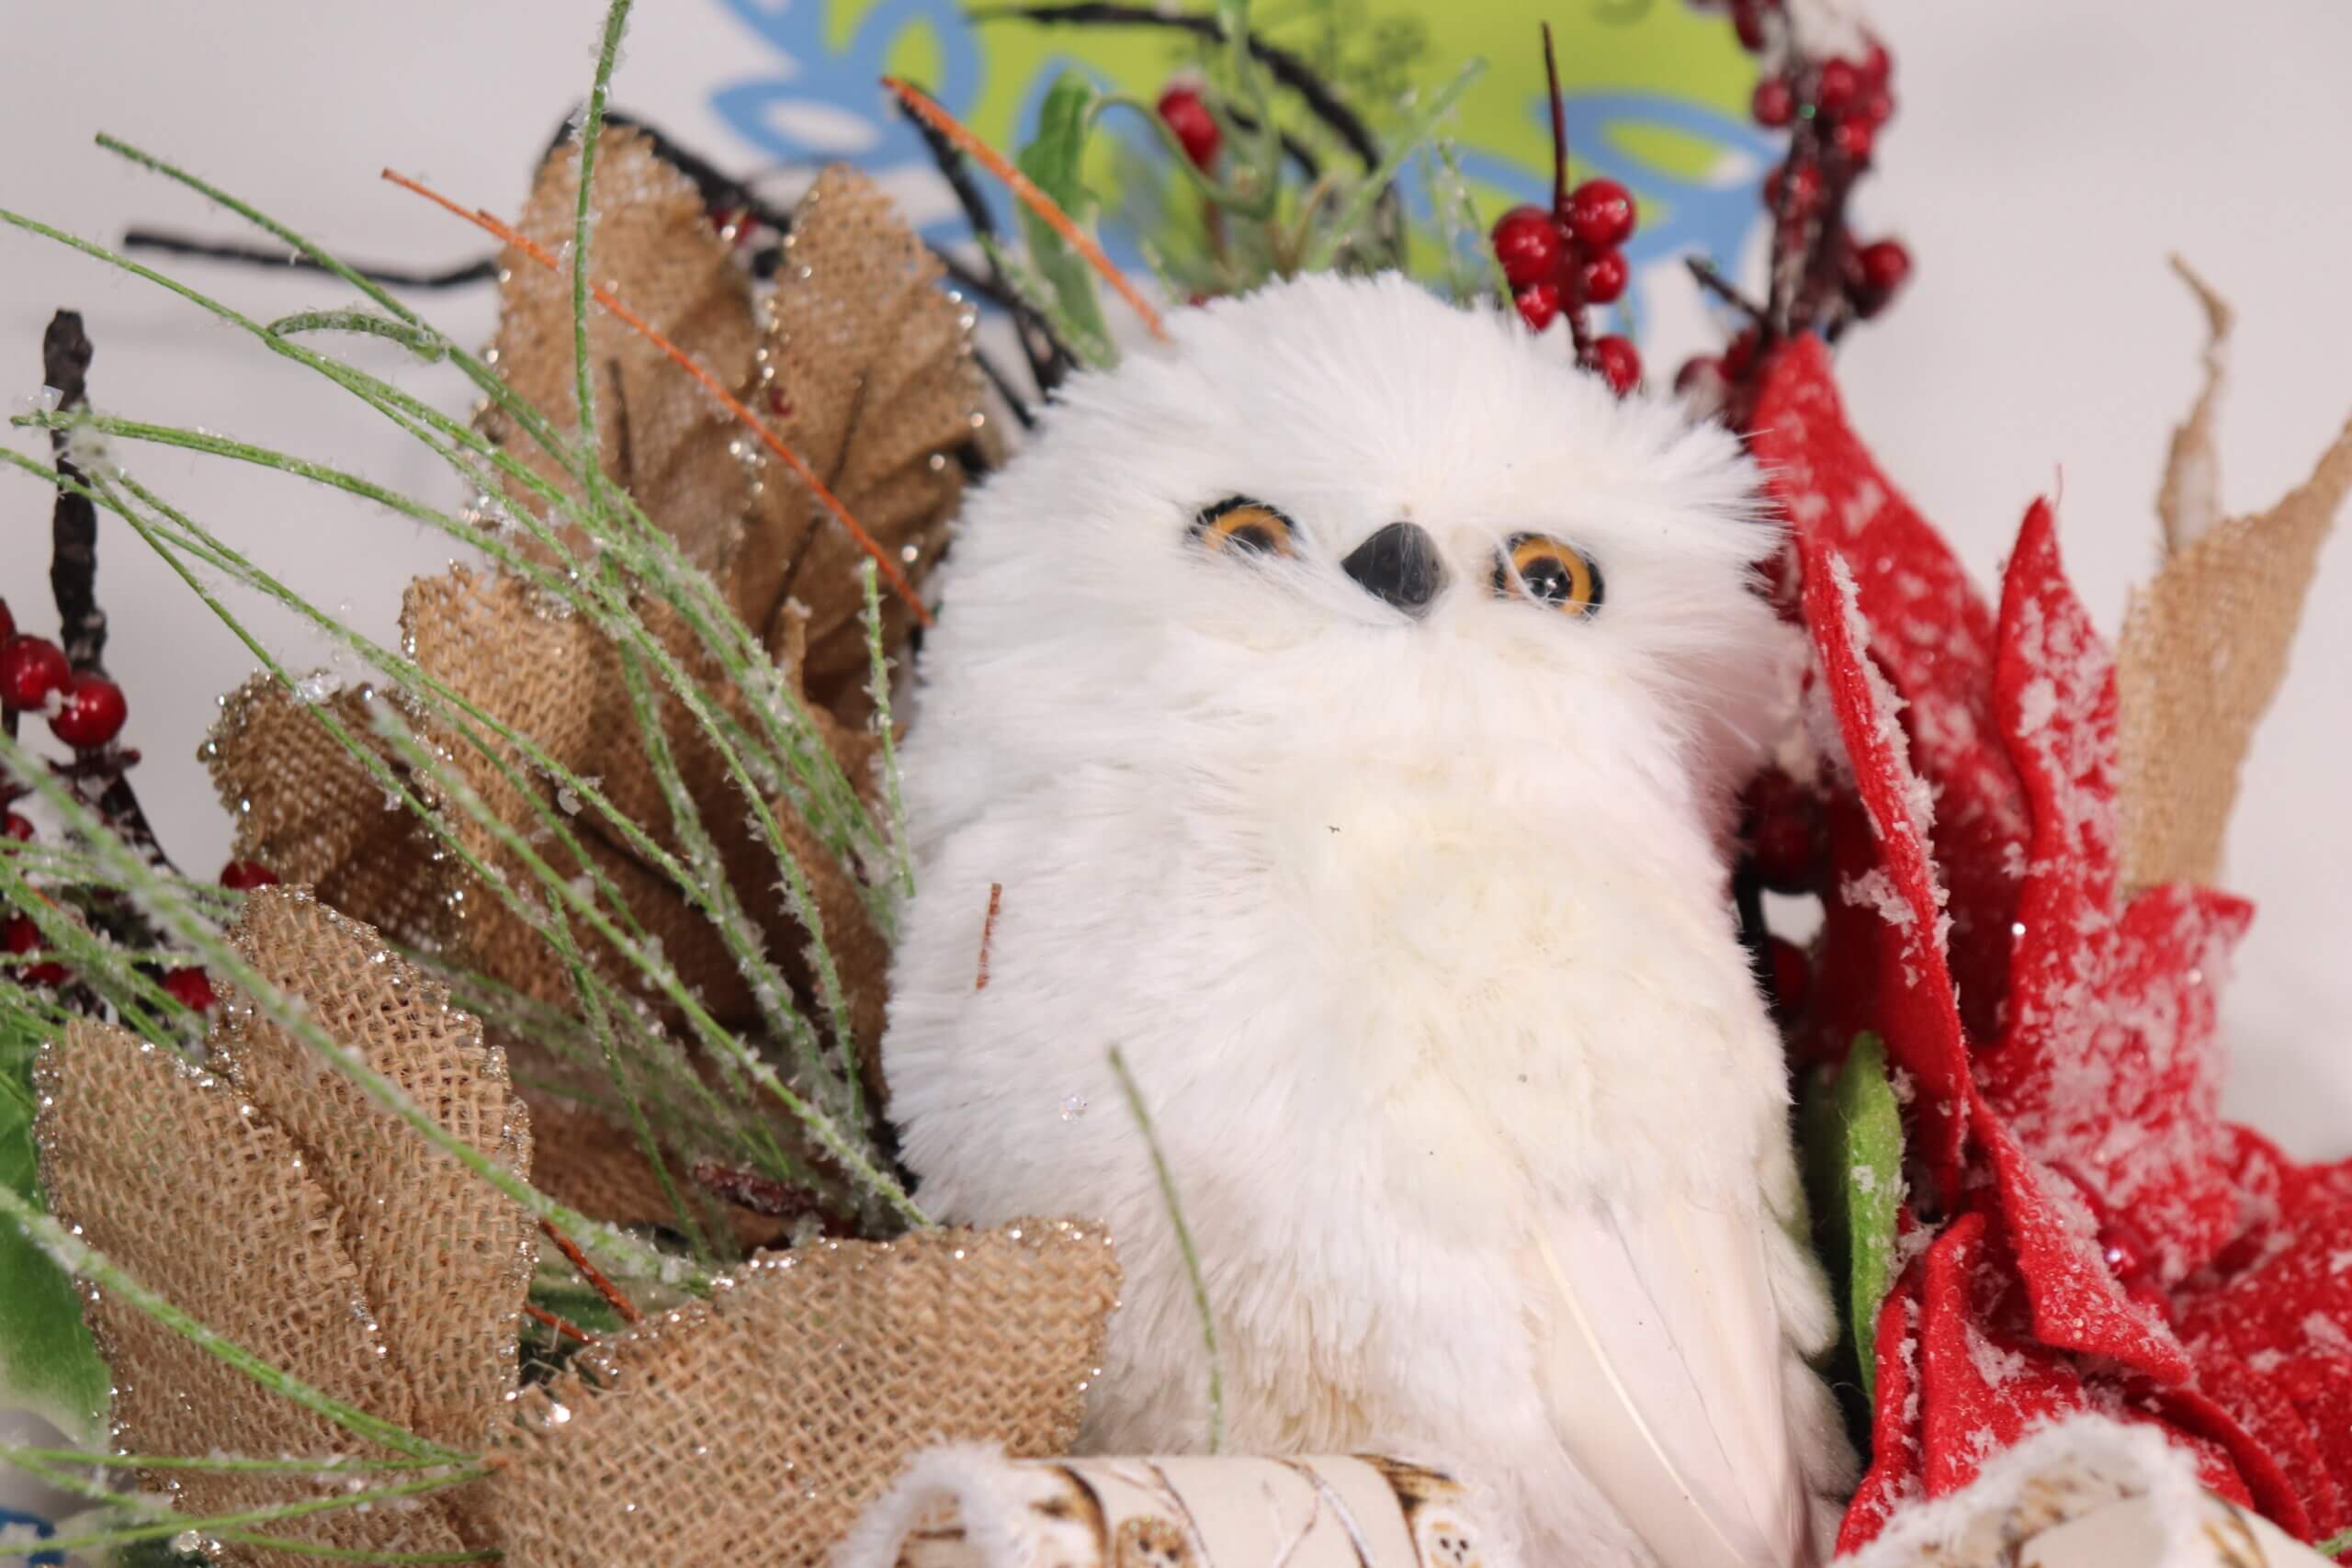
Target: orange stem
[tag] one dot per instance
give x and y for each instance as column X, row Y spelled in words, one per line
column 559, row 1325
column 987, row 934
column 1036, row 200
column 750, row 422
column 597, row 1283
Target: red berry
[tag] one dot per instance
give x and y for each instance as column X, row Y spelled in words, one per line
column 1539, row 304
column 1528, row 244
column 1839, row 87
column 1775, row 103
column 1619, row 362
column 192, row 989
column 1603, row 278
column 1803, row 184
column 1787, row 836
column 242, row 876
column 31, row 668
column 20, row 826
column 23, row 937
column 1600, row 214
column 7, row 621
column 1188, row 117
column 1698, row 371
column 1878, row 108
column 1878, row 66
column 1739, row 354
column 1792, row 975
column 92, row 713
column 1747, row 21
column 1853, row 138
column 1884, row 266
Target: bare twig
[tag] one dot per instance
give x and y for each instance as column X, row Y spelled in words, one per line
column 65, row 355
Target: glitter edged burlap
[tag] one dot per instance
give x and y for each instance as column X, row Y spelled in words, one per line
column 752, row 1428
column 270, row 1200
column 2204, row 646
column 431, row 1239
column 861, row 364
column 653, row 247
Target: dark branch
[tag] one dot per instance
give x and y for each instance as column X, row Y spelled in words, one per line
column 1050, row 360
column 481, row 271
column 1281, row 64
column 1716, row 284
column 65, row 355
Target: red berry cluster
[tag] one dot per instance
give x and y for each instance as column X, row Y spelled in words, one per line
column 84, row 709
column 1822, row 277
column 1560, row 261
column 1185, row 113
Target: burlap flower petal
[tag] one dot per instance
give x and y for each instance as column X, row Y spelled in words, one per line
column 559, row 680
column 753, row 1427
column 180, row 1181
column 871, row 362
column 2203, row 650
column 662, row 437
column 445, row 1258
column 306, row 810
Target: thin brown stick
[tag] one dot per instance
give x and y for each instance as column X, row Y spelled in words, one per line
column 727, row 399
column 587, row 1270
column 988, row 932
column 1036, row 200
column 569, row 1331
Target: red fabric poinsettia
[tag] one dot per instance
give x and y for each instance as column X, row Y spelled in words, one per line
column 2098, row 1238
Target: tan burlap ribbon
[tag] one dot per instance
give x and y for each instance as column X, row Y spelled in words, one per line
column 266, row 1197
column 753, row 1427
column 861, row 364
column 2204, row 646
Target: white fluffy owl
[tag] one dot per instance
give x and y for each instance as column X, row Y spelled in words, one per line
column 1348, row 702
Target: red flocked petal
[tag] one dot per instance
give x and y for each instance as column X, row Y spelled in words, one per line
column 1898, row 1470
column 1933, row 634
column 2105, row 1065
column 1915, row 1008
column 1981, row 1388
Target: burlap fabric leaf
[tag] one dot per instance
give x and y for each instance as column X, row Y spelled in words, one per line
column 870, row 364
column 2204, row 646
column 432, row 1241
column 179, row 1178
column 752, row 1427
column 275, row 1202
column 660, row 437
column 865, row 366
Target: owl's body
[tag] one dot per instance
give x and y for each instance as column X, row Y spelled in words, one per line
column 1399, row 886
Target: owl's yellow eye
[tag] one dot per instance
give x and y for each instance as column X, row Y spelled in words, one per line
column 1549, row 572
column 1238, row 523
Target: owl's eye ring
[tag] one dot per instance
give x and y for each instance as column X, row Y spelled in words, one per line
column 1551, row 573
column 1243, row 523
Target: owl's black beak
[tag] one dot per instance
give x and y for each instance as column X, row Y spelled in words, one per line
column 1399, row 566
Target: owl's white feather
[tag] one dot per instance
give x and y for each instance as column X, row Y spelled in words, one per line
column 1414, row 930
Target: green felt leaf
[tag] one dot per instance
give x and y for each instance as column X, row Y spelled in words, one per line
column 1054, row 161
column 48, row 1363
column 1853, row 1146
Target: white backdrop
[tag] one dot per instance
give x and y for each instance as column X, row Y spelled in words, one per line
column 2046, row 159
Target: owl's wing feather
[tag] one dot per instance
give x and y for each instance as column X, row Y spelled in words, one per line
column 1659, row 1356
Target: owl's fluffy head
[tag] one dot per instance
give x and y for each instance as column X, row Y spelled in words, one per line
column 1092, row 611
